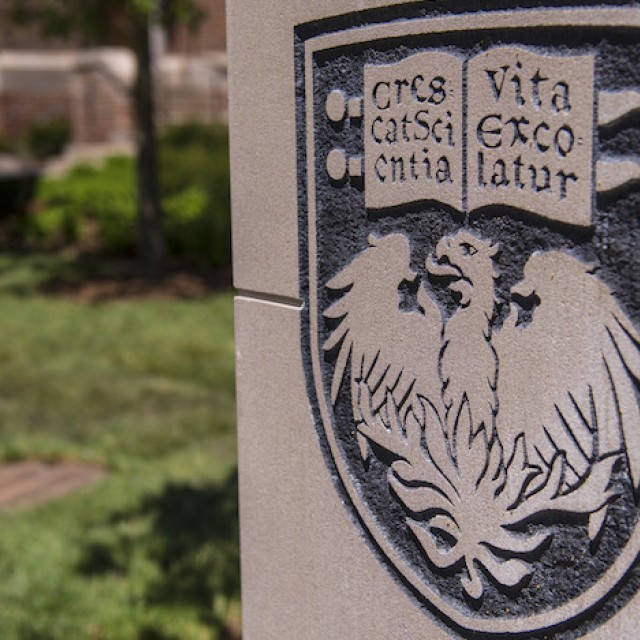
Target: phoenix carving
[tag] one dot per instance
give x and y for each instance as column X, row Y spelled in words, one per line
column 488, row 430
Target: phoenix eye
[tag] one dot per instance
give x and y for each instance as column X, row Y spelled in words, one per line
column 468, row 249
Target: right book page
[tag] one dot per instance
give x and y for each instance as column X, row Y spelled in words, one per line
column 530, row 124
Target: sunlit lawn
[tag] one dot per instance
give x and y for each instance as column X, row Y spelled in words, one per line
column 144, row 388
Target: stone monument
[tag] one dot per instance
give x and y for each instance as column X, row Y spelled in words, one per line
column 436, row 235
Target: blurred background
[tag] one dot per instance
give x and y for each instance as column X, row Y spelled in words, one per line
column 118, row 492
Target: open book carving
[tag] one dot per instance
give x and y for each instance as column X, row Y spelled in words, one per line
column 507, row 127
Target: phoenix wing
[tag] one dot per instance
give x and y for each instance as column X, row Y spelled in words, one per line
column 388, row 348
column 567, row 380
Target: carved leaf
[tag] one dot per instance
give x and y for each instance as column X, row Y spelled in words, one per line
column 423, row 499
column 441, row 557
column 436, row 441
column 463, row 503
column 509, row 573
column 519, row 474
column 588, row 498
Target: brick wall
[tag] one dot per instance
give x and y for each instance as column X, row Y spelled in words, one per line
column 19, row 111
column 192, row 88
column 100, row 107
column 92, row 90
column 89, row 89
column 210, row 35
column 191, row 82
column 31, row 93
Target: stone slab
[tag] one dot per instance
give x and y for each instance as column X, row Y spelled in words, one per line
column 308, row 572
column 435, row 246
column 262, row 118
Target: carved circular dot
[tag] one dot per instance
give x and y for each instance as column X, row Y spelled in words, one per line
column 336, row 164
column 336, row 105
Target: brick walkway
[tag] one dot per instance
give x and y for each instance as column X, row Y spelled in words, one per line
column 31, row 483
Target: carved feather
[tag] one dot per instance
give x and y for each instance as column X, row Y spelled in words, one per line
column 567, row 380
column 388, row 348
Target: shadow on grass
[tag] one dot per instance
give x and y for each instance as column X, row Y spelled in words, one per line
column 26, row 272
column 94, row 276
column 190, row 534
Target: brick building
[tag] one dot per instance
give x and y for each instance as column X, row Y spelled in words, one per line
column 210, row 36
column 89, row 85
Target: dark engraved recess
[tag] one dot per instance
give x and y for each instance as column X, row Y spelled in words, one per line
column 343, row 227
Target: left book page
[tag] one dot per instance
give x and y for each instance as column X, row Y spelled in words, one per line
column 413, row 131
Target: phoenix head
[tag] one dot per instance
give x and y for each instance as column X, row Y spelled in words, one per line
column 467, row 261
column 540, row 285
column 389, row 257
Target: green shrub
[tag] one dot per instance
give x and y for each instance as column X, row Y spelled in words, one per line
column 194, row 176
column 47, row 139
column 187, row 224
column 104, row 196
column 194, row 179
column 53, row 226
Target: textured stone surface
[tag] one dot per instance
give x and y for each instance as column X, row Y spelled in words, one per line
column 440, row 300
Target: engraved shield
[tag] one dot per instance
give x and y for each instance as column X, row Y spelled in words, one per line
column 468, row 235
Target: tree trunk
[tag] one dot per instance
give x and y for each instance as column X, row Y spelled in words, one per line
column 150, row 236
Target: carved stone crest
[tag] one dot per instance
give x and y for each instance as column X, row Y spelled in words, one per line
column 472, row 334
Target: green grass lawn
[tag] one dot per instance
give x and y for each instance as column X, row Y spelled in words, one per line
column 146, row 389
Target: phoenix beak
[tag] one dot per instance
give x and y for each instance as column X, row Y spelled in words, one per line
column 442, row 267
column 410, row 276
column 522, row 290
column 524, row 293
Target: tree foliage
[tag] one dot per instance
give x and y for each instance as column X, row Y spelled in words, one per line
column 103, row 21
column 123, row 22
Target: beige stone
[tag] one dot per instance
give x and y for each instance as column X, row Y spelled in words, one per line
column 307, row 572
column 613, row 174
column 481, row 421
column 615, row 105
column 265, row 244
column 530, row 132
column 413, row 131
